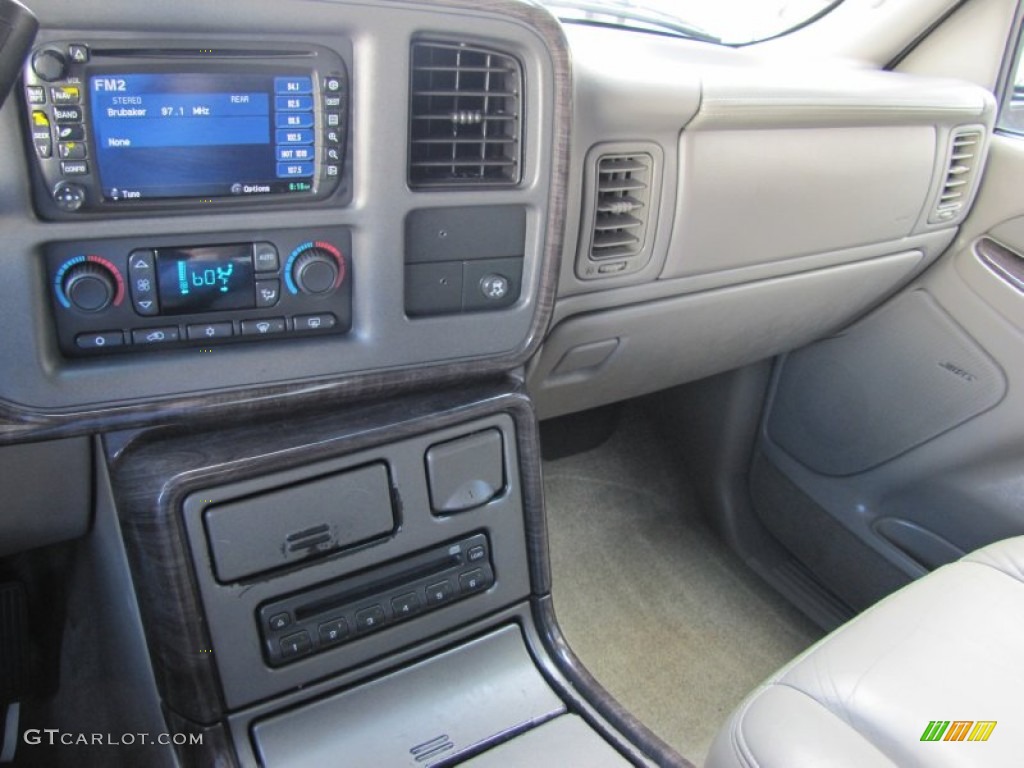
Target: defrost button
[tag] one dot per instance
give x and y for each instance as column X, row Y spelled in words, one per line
column 263, row 327
column 322, row 322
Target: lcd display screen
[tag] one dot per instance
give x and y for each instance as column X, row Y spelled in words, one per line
column 203, row 135
column 193, row 280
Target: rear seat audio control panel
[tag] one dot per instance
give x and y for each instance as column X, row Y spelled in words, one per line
column 114, row 296
column 335, row 613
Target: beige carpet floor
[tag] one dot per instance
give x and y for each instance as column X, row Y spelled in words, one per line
column 658, row 609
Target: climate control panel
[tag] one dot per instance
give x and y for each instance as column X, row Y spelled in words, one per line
column 115, row 296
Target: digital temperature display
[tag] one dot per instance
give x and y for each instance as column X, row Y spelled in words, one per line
column 212, row 279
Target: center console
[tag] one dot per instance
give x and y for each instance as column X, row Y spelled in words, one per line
column 384, row 567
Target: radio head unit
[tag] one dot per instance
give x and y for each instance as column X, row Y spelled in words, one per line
column 117, row 129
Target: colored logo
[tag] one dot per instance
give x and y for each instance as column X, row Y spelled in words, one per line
column 958, row 730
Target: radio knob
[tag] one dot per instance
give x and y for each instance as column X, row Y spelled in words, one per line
column 49, row 65
column 315, row 271
column 89, row 287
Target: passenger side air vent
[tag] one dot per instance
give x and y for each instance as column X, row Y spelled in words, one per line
column 618, row 222
column 465, row 116
column 961, row 172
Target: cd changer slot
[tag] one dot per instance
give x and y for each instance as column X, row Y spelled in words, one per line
column 201, row 53
column 323, row 605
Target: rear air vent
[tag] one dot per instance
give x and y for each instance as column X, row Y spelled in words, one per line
column 465, row 115
column 961, row 171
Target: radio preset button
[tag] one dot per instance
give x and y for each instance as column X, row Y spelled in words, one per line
column 332, row 631
column 472, row 581
column 295, row 120
column 201, row 331
column 289, row 85
column 370, row 618
column 296, row 645
column 297, row 170
column 321, row 322
column 49, row 65
column 74, row 168
column 293, row 103
column 289, row 154
column 298, row 136
column 99, row 339
column 155, row 335
column 441, row 592
column 263, row 326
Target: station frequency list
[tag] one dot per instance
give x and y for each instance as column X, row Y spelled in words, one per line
column 152, row 111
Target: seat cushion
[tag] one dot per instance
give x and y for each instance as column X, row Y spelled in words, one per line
column 948, row 648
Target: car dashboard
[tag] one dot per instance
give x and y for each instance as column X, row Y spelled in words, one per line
column 288, row 286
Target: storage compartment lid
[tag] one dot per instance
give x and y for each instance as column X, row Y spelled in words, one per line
column 428, row 713
column 299, row 522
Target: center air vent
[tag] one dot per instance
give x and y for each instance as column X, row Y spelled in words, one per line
column 622, row 197
column 961, row 171
column 465, row 116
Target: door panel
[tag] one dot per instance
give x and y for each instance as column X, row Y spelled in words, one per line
column 904, row 435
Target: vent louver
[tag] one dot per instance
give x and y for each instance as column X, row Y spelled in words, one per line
column 465, row 115
column 622, row 204
column 958, row 183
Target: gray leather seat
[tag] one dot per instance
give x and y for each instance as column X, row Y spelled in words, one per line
column 948, row 648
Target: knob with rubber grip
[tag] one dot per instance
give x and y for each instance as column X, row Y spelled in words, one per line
column 315, row 271
column 89, row 287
